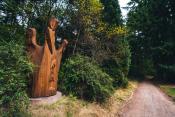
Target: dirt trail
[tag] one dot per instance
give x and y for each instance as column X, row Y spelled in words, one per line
column 148, row 101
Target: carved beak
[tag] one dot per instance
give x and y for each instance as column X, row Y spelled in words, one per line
column 53, row 24
column 31, row 36
column 49, row 41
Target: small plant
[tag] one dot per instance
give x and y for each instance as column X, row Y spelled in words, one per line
column 81, row 77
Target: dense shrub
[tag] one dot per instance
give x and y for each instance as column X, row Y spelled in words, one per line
column 80, row 77
column 123, row 55
column 14, row 69
column 112, row 68
column 118, row 62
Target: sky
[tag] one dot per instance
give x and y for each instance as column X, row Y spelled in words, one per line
column 123, row 3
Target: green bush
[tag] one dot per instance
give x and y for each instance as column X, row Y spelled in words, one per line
column 118, row 62
column 14, row 69
column 81, row 77
column 122, row 55
column 112, row 68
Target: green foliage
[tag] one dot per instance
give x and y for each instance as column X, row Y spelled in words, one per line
column 116, row 31
column 17, row 107
column 12, row 32
column 152, row 25
column 14, row 69
column 148, row 67
column 85, row 17
column 98, row 40
column 94, row 34
column 118, row 63
column 111, row 67
column 123, row 55
column 29, row 13
column 112, row 13
column 143, row 68
column 88, row 13
column 81, row 77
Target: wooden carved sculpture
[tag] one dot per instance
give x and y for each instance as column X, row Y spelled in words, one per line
column 47, row 60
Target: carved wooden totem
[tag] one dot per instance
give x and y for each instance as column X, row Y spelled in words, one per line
column 46, row 59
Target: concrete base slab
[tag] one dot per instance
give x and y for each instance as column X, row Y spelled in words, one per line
column 46, row 100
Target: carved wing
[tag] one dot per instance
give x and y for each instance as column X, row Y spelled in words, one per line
column 62, row 47
column 31, row 37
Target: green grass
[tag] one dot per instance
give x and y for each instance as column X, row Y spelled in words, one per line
column 169, row 90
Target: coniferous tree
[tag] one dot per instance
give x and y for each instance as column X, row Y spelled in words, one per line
column 112, row 13
column 152, row 25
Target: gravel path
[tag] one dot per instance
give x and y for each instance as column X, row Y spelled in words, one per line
column 149, row 101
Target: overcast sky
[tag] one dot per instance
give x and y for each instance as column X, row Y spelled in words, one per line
column 123, row 3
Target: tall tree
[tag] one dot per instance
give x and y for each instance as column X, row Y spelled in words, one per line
column 112, row 12
column 152, row 26
column 85, row 17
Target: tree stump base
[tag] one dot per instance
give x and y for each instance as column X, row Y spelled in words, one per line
column 46, row 100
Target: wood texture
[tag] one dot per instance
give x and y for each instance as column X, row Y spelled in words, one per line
column 46, row 59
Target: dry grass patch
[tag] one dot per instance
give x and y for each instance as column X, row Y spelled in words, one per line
column 72, row 107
